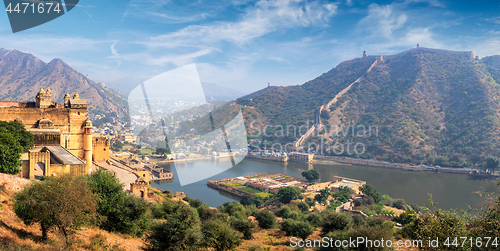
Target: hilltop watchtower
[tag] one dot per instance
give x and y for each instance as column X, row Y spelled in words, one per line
column 364, row 54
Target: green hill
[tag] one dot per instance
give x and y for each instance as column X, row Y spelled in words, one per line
column 423, row 105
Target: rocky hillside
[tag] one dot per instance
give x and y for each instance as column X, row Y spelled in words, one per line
column 22, row 75
column 423, row 105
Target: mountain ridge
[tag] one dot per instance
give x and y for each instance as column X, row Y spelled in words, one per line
column 430, row 106
column 22, row 75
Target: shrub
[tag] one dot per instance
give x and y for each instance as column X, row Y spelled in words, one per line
column 245, row 226
column 65, row 202
column 180, row 231
column 441, row 224
column 121, row 212
column 301, row 229
column 336, row 221
column 219, row 235
column 287, row 212
column 266, row 219
column 315, row 219
column 287, row 194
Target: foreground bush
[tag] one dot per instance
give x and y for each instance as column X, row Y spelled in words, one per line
column 180, row 231
column 219, row 235
column 65, row 202
column 120, row 212
column 266, row 219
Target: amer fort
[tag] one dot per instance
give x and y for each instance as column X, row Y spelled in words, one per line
column 64, row 143
column 62, row 133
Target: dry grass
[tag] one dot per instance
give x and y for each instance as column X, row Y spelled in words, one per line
column 15, row 235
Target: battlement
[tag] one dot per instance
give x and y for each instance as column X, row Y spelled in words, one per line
column 466, row 54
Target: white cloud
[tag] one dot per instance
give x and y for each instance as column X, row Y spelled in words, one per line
column 382, row 21
column 113, row 50
column 46, row 47
column 434, row 3
column 488, row 47
column 263, row 18
column 162, row 60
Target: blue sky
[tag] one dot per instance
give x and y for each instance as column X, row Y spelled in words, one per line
column 245, row 44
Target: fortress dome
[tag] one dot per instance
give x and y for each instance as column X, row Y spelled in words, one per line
column 87, row 124
column 45, row 123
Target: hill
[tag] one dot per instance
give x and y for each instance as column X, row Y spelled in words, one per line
column 22, row 75
column 423, row 105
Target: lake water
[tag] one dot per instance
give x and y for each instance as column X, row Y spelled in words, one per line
column 449, row 191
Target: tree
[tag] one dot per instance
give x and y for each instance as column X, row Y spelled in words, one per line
column 162, row 151
column 311, row 175
column 492, row 163
column 14, row 140
column 336, row 221
column 301, row 229
column 266, row 219
column 287, row 194
column 287, row 212
column 304, row 207
column 180, row 231
column 65, row 202
column 121, row 212
column 399, row 204
column 247, row 200
column 441, row 224
column 25, row 138
column 244, row 226
column 323, row 195
column 118, row 144
column 10, row 154
column 369, row 190
column 219, row 235
column 325, row 115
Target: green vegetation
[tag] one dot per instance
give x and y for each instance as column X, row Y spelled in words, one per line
column 120, row 212
column 370, row 191
column 250, row 189
column 219, row 235
column 323, row 195
column 247, row 200
column 99, row 200
column 325, row 115
column 180, row 231
column 65, row 202
column 311, row 175
column 300, row 229
column 266, row 219
column 287, row 194
column 492, row 163
column 14, row 140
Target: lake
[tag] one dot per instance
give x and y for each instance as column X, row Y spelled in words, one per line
column 449, row 191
